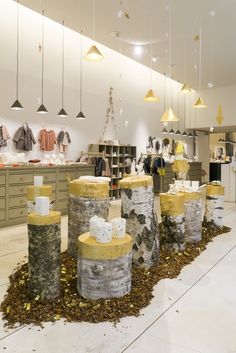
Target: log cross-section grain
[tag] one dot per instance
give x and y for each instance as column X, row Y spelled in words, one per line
column 44, row 251
column 193, row 216
column 137, row 207
column 173, row 221
column 214, row 205
column 86, row 199
column 104, row 270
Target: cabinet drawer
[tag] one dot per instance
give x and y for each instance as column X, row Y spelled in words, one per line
column 18, row 190
column 63, row 195
column 62, row 205
column 21, row 179
column 48, row 177
column 18, row 212
column 2, row 215
column 2, row 203
column 17, row 201
column 85, row 171
column 2, row 191
column 64, row 176
column 2, row 179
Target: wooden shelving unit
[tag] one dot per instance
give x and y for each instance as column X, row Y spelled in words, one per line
column 116, row 155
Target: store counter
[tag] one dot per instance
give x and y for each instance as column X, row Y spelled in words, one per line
column 15, row 180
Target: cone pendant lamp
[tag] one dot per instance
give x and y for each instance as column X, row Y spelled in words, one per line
column 169, row 116
column 185, row 88
column 93, row 54
column 17, row 105
column 199, row 103
column 81, row 115
column 164, row 131
column 150, row 96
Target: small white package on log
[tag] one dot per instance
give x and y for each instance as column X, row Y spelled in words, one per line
column 195, row 185
column 119, row 227
column 104, row 232
column 42, row 205
column 94, row 225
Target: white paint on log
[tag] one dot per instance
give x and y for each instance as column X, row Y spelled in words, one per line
column 193, row 221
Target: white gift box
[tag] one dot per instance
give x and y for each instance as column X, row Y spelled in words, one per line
column 38, row 180
column 195, row 185
column 119, row 227
column 42, row 205
column 104, row 234
column 94, row 225
column 187, row 184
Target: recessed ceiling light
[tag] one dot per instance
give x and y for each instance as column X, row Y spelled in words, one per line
column 210, row 84
column 212, row 13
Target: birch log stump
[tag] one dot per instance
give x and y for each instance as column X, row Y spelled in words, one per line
column 86, row 199
column 214, row 205
column 173, row 221
column 104, row 270
column 44, row 250
column 35, row 191
column 193, row 216
column 137, row 207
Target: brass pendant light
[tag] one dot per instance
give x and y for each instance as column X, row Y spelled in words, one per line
column 62, row 113
column 185, row 88
column 150, row 95
column 169, row 115
column 17, row 105
column 81, row 114
column 42, row 109
column 93, row 54
column 199, row 103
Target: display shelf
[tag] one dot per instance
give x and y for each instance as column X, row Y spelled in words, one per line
column 116, row 155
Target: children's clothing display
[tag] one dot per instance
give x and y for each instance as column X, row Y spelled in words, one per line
column 47, row 140
column 4, row 136
column 63, row 140
column 24, row 138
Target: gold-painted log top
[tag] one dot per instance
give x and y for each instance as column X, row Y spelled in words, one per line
column 34, row 191
column 136, row 181
column 180, row 165
column 194, row 195
column 89, row 248
column 89, row 189
column 172, row 205
column 215, row 190
column 54, row 217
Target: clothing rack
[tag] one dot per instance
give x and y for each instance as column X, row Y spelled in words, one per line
column 160, row 156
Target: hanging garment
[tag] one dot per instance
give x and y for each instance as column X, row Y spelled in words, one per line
column 106, row 170
column 47, row 139
column 147, row 165
column 4, row 136
column 24, row 139
column 63, row 140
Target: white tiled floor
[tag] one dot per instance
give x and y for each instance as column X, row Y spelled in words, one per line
column 195, row 312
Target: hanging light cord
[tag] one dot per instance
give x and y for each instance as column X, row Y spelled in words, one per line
column 17, row 51
column 62, row 66
column 170, row 68
column 190, row 112
column 200, row 58
column 178, row 102
column 184, row 112
column 94, row 14
column 42, row 49
column 151, row 48
column 81, row 74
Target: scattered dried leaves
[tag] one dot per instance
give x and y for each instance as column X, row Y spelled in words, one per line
column 17, row 308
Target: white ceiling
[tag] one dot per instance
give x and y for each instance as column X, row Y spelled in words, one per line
column 218, row 19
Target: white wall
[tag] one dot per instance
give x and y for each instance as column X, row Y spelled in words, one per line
column 213, row 97
column 129, row 79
